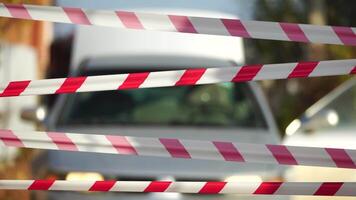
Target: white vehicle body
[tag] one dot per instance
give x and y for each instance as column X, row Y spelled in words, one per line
column 97, row 49
column 16, row 63
column 330, row 122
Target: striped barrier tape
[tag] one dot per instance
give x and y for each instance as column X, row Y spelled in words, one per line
column 178, row 78
column 179, row 148
column 185, row 24
column 245, row 188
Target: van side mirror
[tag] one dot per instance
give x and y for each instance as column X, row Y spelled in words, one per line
column 323, row 119
column 33, row 114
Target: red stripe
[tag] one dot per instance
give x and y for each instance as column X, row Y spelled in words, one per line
column 77, row 16
column 229, row 151
column 14, row 88
column 294, row 32
column 282, row 154
column 268, row 188
column 346, row 35
column 10, row 139
column 247, row 73
column 175, row 148
column 303, row 69
column 134, row 80
column 212, row 187
column 129, row 19
column 190, row 77
column 353, row 71
column 182, row 24
column 236, row 28
column 341, row 158
column 157, row 186
column 41, row 184
column 122, row 145
column 71, row 85
column 328, row 189
column 62, row 141
column 102, row 186
column 18, row 11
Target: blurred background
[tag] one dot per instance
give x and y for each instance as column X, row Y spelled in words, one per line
column 308, row 112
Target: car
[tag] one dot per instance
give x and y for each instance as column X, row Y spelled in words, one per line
column 236, row 112
column 330, row 122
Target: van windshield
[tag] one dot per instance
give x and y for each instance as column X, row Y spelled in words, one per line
column 225, row 105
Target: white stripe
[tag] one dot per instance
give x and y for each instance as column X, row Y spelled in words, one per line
column 347, row 189
column 103, row 18
column 92, row 143
column 320, row 34
column 255, row 153
column 132, row 186
column 202, row 150
column 209, row 26
column 185, row 187
column 353, row 29
column 158, row 79
column 3, row 11
column 275, row 71
column 297, row 188
column 240, row 187
column 216, row 75
column 101, row 83
column 155, row 22
column 45, row 86
column 148, row 147
column 311, row 156
column 48, row 13
column 72, row 185
column 15, row 184
column 265, row 30
column 329, row 68
column 39, row 140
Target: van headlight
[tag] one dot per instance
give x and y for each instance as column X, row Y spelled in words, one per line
column 84, row 176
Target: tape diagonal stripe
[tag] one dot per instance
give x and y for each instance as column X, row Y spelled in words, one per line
column 182, row 24
column 328, row 189
column 282, row 154
column 158, row 186
column 71, row 85
column 175, row 148
column 129, row 19
column 134, row 81
column 41, row 185
column 212, row 188
column 268, row 188
column 62, row 141
column 294, row 32
column 122, row 145
column 77, row 16
column 10, row 139
column 341, row 158
column 15, row 88
column 229, row 151
column 102, row 186
column 18, row 11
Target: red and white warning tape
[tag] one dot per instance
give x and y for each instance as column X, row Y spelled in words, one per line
column 177, row 148
column 246, row 188
column 185, row 24
column 178, row 78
